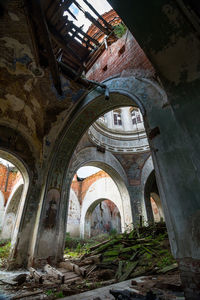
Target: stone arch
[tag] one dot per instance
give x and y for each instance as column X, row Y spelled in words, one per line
column 130, row 91
column 157, row 200
column 104, row 188
column 106, row 161
column 74, row 214
column 11, row 210
column 2, row 208
column 21, row 166
column 151, row 190
column 146, row 205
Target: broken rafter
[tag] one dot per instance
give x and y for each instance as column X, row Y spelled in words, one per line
column 85, row 34
column 97, row 14
column 62, row 42
column 72, row 75
column 42, row 31
column 92, row 19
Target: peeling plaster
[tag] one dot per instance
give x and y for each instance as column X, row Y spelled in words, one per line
column 28, row 86
column 172, row 15
column 13, row 16
column 36, row 104
column 173, row 68
column 22, row 56
column 16, row 103
column 31, row 123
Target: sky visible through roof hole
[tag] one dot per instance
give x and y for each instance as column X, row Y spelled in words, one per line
column 101, row 6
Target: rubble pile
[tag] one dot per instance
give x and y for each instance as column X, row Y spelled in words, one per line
column 144, row 251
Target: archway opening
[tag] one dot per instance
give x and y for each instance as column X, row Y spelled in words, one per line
column 103, row 219
column 152, row 199
column 14, row 181
column 90, row 184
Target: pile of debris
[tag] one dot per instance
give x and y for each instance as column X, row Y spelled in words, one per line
column 143, row 251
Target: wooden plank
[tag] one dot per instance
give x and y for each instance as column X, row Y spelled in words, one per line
column 73, row 267
column 63, row 42
column 36, row 275
column 55, row 273
column 97, row 14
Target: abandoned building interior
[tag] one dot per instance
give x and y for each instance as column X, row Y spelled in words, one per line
column 117, row 96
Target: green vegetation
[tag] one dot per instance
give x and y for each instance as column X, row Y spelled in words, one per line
column 120, row 30
column 76, row 247
column 144, row 250
column 55, row 294
column 4, row 252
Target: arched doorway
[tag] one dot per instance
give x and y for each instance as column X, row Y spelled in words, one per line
column 152, row 199
column 11, row 210
column 105, row 189
column 16, row 203
column 101, row 217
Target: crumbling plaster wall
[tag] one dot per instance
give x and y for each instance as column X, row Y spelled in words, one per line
column 31, row 113
column 73, row 215
column 105, row 218
column 104, row 188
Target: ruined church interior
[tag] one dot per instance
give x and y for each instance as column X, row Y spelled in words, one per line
column 100, row 149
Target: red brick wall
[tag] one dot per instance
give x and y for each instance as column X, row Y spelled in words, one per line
column 81, row 187
column 13, row 178
column 112, row 62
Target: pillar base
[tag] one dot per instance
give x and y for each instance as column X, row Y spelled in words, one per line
column 190, row 277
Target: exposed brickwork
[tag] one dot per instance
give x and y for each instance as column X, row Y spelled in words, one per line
column 124, row 54
column 81, row 187
column 111, row 17
column 13, row 178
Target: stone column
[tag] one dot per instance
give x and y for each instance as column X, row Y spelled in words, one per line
column 126, row 119
column 109, row 118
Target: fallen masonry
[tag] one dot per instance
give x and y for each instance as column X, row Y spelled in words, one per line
column 142, row 252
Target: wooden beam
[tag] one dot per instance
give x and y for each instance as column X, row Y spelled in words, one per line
column 109, row 26
column 85, row 34
column 42, row 31
column 92, row 19
column 62, row 42
column 72, row 75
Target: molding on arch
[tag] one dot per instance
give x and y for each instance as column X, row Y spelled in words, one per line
column 15, row 188
column 109, row 163
column 90, row 156
column 124, row 91
column 26, row 178
column 146, row 171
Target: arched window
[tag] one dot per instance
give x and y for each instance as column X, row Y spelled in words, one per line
column 117, row 117
column 136, row 116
